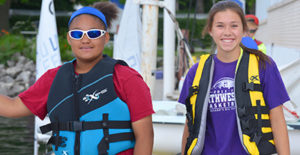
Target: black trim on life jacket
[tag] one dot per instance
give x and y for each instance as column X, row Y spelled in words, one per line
column 76, row 86
column 193, row 127
column 249, row 124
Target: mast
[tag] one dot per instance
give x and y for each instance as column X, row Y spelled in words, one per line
column 169, row 50
column 149, row 43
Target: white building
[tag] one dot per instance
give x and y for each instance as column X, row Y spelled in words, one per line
column 279, row 29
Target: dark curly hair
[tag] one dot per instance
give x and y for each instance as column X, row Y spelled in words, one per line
column 109, row 9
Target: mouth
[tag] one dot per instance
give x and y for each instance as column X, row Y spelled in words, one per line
column 227, row 40
column 86, row 48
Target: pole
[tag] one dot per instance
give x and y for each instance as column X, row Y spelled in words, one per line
column 169, row 50
column 149, row 44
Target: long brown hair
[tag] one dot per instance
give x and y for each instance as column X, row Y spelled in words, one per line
column 109, row 9
column 233, row 6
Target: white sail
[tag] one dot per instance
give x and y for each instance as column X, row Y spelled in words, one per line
column 47, row 40
column 47, row 56
column 291, row 77
column 127, row 43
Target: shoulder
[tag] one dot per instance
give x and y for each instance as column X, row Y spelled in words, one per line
column 53, row 71
column 192, row 71
column 125, row 72
column 269, row 65
column 49, row 74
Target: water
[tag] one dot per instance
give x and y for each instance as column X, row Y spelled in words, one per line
column 16, row 136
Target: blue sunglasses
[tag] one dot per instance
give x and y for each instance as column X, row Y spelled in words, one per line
column 91, row 34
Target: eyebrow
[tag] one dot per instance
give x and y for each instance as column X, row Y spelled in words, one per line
column 233, row 22
column 77, row 28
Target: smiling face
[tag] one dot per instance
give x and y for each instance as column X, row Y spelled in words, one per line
column 227, row 31
column 85, row 49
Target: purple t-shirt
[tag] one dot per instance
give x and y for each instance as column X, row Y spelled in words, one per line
column 221, row 136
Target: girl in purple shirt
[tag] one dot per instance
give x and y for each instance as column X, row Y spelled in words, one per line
column 226, row 25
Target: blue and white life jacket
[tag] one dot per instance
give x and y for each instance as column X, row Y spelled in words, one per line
column 87, row 116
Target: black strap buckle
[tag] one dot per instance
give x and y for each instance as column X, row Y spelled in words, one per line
column 251, row 86
column 193, row 90
column 58, row 141
column 256, row 138
column 242, row 111
column 248, row 86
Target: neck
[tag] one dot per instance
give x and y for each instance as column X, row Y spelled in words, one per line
column 229, row 56
column 85, row 66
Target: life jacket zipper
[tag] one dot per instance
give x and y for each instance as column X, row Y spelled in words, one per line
column 77, row 114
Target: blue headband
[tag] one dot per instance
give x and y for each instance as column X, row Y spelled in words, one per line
column 88, row 10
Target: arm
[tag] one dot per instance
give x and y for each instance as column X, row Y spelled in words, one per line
column 143, row 132
column 184, row 138
column 13, row 107
column 279, row 131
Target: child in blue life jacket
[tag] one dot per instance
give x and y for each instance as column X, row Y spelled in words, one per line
column 233, row 98
column 96, row 104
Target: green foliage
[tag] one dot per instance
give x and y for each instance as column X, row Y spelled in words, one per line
column 108, row 50
column 122, row 1
column 2, row 2
column 11, row 44
column 197, row 40
column 65, row 49
column 88, row 2
column 64, row 5
column 23, row 26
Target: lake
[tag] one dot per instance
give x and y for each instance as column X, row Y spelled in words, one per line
column 16, row 136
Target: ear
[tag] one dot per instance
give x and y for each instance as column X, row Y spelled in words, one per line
column 107, row 37
column 209, row 32
column 69, row 39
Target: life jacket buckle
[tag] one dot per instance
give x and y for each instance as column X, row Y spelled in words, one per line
column 248, row 86
column 256, row 138
column 251, row 86
column 194, row 90
column 58, row 141
column 242, row 111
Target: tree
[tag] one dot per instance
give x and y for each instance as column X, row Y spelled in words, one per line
column 200, row 6
column 4, row 14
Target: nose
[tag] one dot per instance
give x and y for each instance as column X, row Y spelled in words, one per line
column 85, row 38
column 227, row 31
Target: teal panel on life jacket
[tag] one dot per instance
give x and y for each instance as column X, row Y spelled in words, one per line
column 70, row 141
column 89, row 139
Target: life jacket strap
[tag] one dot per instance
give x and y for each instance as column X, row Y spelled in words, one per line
column 253, row 126
column 251, row 86
column 103, row 146
column 193, row 90
column 57, row 141
column 82, row 126
column 245, row 111
column 253, row 123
